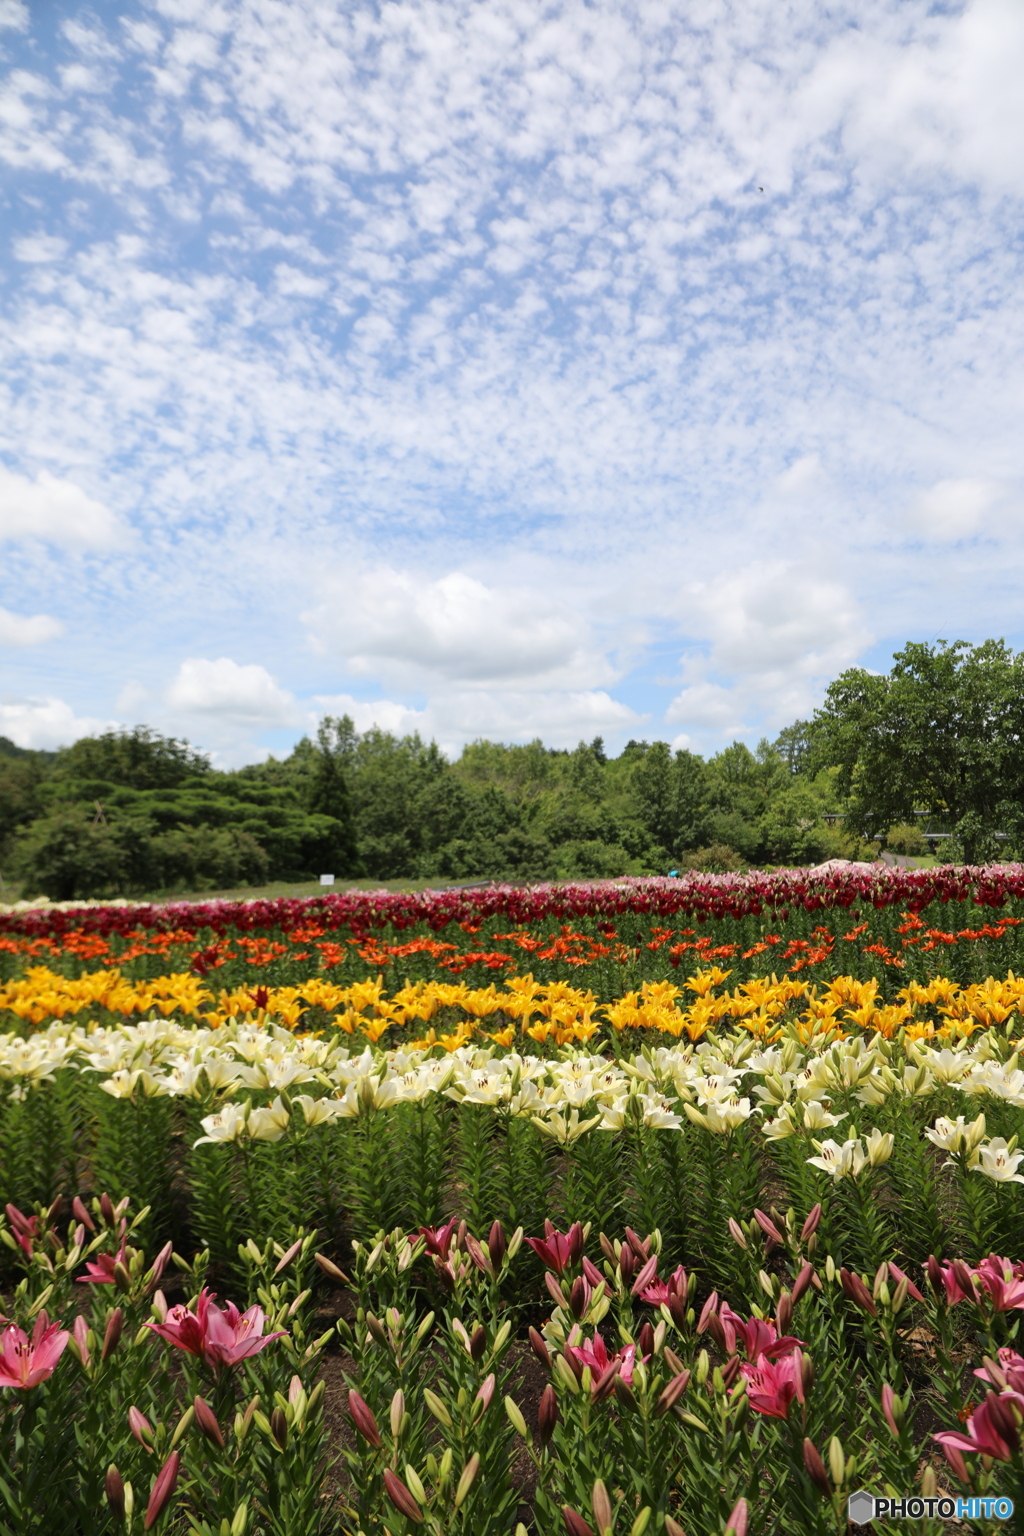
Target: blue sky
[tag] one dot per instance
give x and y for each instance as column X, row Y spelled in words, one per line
column 446, row 362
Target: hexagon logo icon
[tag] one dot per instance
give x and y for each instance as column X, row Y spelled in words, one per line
column 861, row 1507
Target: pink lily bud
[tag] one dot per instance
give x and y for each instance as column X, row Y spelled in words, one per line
column 769, row 1229
column 540, row 1348
column 671, row 1394
column 784, row 1312
column 478, row 1342
column 480, row 1256
column 574, row 1523
column 645, row 1341
column 331, row 1270
column 141, row 1428
column 591, row 1274
column 672, row 1527
column 496, row 1244
column 82, row 1215
column 645, row 1276
column 730, row 1371
column 460, row 1236
column 737, row 1522
column 107, row 1209
column 122, row 1276
column 79, row 1237
column 627, row 1263
column 737, row 1233
column 80, row 1335
column 159, row 1305
column 113, row 1487
column 807, row 1373
column 575, row 1236
column 485, row 1394
column 640, row 1246
column 601, row 1504
column 401, row 1498
column 816, row 1469
column 933, row 1269
column 964, row 1277
column 604, row 1386
column 623, row 1392
column 554, row 1289
column 709, row 1309
column 810, row 1226
column 294, row 1388
column 888, row 1396
column 899, row 1275
column 55, row 1210
column 798, row 1376
column 547, row 1415
column 955, row 1458
column 160, row 1263
column 802, row 1281
column 279, row 1427
column 206, row 1422
column 854, row 1287
column 363, row 1419
column 112, row 1335
column 607, row 1249
column 579, row 1298
column 163, row 1488
column 673, row 1361
column 288, row 1255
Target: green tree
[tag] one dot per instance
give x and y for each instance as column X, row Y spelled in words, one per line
column 328, row 791
column 140, row 758
column 942, row 736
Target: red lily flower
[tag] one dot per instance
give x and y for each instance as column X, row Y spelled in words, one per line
column 220, row 1337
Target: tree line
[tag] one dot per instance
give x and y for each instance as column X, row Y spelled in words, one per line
column 936, row 744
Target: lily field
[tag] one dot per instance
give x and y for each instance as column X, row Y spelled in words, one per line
column 685, row 1205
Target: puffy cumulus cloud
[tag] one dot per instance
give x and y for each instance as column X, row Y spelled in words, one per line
column 560, row 719
column 46, row 723
column 244, row 694
column 18, row 630
column 773, row 636
column 39, row 249
column 54, row 510
column 956, row 509
column 14, row 15
column 456, row 629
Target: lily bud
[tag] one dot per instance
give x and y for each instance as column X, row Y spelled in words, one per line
column 575, row 1236
column 397, row 1413
column 82, row 1215
column 163, row 1489
column 107, row 1209
column 478, row 1342
column 807, row 1373
column 769, row 1229
column 547, row 1415
column 737, row 1234
column 486, row 1393
column 496, row 1245
column 540, row 1348
column 891, row 1405
column 112, row 1335
column 645, row 1340
column 738, row 1520
column 802, row 1281
column 279, row 1428
column 80, row 1339
column 601, row 1504
column 141, row 1428
column 515, row 1418
column 401, row 1498
column 671, row 1394
column 673, row 1361
column 331, row 1270
column 730, row 1371
column 363, row 1419
column 810, row 1226
column 114, row 1488
column 836, row 1461
column 623, row 1392
column 607, row 1249
column 460, row 1236
column 854, row 1287
column 574, row 1523
column 964, row 1277
column 206, row 1423
column 467, row 1479
column 627, row 1263
column 816, row 1469
column 784, row 1312
column 646, row 1275
column 672, row 1527
column 579, row 1298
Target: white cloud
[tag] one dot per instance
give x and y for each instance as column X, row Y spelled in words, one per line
column 39, row 249
column 456, row 629
column 778, row 618
column 14, row 15
column 955, row 509
column 560, row 719
column 46, row 723
column 132, row 697
column 246, row 694
column 53, row 510
column 16, row 630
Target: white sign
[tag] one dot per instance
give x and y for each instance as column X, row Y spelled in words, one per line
column 326, row 879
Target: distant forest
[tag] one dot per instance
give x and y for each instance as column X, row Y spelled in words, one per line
column 133, row 811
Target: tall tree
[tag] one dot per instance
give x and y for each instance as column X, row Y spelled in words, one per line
column 942, row 736
column 328, row 790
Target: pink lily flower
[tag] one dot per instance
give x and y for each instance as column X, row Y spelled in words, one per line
column 25, row 1363
column 759, row 1338
column 772, row 1385
column 24, row 1228
column 557, row 1250
column 220, row 1337
column 1003, row 1280
column 439, row 1239
column 676, row 1287
column 1008, row 1371
column 991, row 1429
column 100, row 1269
column 595, row 1354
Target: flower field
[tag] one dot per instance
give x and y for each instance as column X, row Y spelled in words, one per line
column 656, row 1206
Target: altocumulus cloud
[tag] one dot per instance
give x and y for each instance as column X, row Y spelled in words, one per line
column 445, row 358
